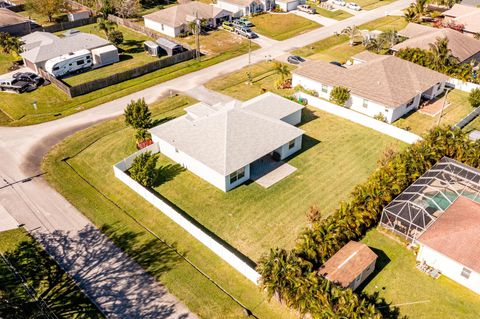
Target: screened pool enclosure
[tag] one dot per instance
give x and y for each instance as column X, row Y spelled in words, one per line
column 414, row 210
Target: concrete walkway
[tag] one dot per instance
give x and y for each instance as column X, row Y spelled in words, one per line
column 7, row 222
column 315, row 18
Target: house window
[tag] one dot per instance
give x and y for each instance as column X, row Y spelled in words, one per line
column 324, row 88
column 365, row 103
column 386, row 110
column 162, row 28
column 176, row 150
column 238, row 175
column 291, row 144
column 80, row 62
column 466, row 273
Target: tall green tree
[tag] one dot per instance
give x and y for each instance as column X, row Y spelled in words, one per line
column 105, row 25
column 474, row 98
column 138, row 115
column 143, row 169
column 47, row 8
column 10, row 44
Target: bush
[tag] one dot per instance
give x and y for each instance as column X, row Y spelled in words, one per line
column 379, row 117
column 290, row 274
column 143, row 169
column 340, row 95
column 137, row 115
column 474, row 98
column 116, row 37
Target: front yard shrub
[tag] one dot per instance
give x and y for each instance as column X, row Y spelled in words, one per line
column 143, row 169
column 292, row 275
column 340, row 95
column 474, row 98
column 116, row 37
column 379, row 117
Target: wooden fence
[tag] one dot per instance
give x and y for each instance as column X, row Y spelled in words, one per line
column 66, row 25
column 116, row 78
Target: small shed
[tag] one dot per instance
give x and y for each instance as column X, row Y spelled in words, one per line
column 168, row 47
column 474, row 135
column 79, row 14
column 350, row 266
column 151, row 48
column 105, row 55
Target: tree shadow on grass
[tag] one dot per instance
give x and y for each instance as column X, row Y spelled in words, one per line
column 117, row 283
column 162, row 120
column 167, row 173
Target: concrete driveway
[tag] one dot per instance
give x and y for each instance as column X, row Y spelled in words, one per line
column 9, row 75
column 315, row 18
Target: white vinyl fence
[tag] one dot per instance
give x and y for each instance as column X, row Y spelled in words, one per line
column 462, row 86
column 223, row 252
column 359, row 118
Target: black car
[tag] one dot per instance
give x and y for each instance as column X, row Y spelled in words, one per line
column 295, row 59
column 29, row 77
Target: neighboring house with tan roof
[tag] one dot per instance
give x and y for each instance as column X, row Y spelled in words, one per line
column 174, row 20
column 378, row 84
column 463, row 47
column 13, row 23
column 468, row 16
column 221, row 143
column 350, row 266
column 241, row 8
column 452, row 243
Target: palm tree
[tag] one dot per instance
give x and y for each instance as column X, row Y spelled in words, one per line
column 410, row 14
column 441, row 57
column 352, row 32
column 282, row 70
column 390, row 38
column 106, row 25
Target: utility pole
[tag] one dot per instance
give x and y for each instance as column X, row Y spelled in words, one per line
column 197, row 36
column 249, row 61
column 443, row 106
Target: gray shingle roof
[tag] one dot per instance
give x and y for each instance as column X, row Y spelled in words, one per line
column 56, row 47
column 228, row 137
column 386, row 79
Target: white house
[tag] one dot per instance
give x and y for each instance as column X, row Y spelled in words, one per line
column 463, row 47
column 241, row 8
column 452, row 243
column 350, row 266
column 174, row 20
column 288, row 5
column 379, row 84
column 220, row 143
column 79, row 14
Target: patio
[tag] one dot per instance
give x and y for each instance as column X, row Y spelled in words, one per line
column 267, row 172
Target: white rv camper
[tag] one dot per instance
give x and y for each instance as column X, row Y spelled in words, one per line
column 69, row 63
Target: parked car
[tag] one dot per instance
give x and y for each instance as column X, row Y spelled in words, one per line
column 246, row 32
column 16, row 85
column 228, row 26
column 246, row 22
column 29, row 77
column 306, row 8
column 339, row 2
column 354, row 6
column 295, row 59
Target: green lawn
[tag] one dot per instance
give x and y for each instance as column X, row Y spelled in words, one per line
column 53, row 103
column 6, row 61
column 109, row 142
column 473, row 125
column 43, row 20
column 131, row 52
column 398, row 281
column 386, row 23
column 282, row 26
column 264, row 78
column 43, row 275
column 372, row 4
column 336, row 14
column 420, row 123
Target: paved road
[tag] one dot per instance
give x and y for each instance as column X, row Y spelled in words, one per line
column 111, row 279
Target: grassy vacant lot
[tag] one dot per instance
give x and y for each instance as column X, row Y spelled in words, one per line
column 43, row 20
column 336, row 14
column 217, row 42
column 42, row 274
column 282, row 26
column 420, row 123
column 111, row 141
column 264, row 78
column 399, row 282
column 131, row 54
column 53, row 103
column 372, row 4
column 336, row 48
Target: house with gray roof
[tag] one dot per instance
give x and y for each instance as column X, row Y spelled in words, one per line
column 241, row 8
column 40, row 46
column 174, row 20
column 222, row 143
column 13, row 23
column 378, row 84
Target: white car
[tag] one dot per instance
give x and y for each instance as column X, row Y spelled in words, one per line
column 354, row 6
column 339, row 2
